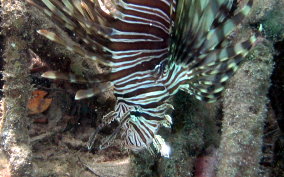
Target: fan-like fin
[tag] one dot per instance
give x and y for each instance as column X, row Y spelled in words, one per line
column 194, row 20
column 97, row 78
column 100, row 88
column 70, row 45
column 208, row 80
column 81, row 94
column 86, row 21
column 64, row 76
column 203, row 45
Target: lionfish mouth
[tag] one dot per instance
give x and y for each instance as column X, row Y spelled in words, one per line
column 154, row 49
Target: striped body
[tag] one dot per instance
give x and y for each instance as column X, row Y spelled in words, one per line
column 154, row 49
column 147, row 102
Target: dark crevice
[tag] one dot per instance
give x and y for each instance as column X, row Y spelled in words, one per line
column 276, row 92
column 276, row 95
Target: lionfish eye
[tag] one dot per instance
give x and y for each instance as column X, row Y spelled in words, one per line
column 135, row 113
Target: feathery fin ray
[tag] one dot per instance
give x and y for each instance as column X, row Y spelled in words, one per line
column 209, row 55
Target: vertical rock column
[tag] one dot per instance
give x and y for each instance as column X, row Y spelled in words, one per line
column 14, row 131
column 245, row 110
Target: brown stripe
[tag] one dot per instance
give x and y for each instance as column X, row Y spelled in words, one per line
column 140, row 92
column 131, row 58
column 149, row 117
column 139, row 132
column 144, row 66
column 151, row 4
column 134, row 81
column 148, row 130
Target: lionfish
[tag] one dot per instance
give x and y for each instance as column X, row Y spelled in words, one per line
column 154, row 49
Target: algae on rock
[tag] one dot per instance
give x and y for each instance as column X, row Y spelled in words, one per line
column 14, row 131
column 245, row 111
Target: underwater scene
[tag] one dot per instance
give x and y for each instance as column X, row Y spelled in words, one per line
column 141, row 88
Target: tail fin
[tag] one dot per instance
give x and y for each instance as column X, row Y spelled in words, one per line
column 203, row 45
